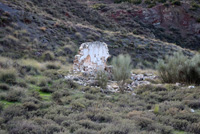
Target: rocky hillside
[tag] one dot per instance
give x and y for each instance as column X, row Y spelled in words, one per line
column 30, row 28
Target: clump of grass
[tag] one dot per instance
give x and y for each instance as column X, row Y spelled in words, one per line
column 48, row 56
column 53, row 65
column 30, row 65
column 8, row 76
column 6, row 62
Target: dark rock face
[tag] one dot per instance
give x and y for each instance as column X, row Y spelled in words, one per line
column 175, row 24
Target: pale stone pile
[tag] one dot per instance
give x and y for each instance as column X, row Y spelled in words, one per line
column 137, row 80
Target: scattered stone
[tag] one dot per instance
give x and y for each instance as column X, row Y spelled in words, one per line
column 90, row 80
column 192, row 110
column 190, row 87
column 141, row 77
column 133, row 94
column 178, row 84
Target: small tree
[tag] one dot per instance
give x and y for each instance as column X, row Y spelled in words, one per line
column 121, row 69
column 102, row 79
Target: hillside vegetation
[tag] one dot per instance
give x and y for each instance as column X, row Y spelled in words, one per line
column 38, row 42
column 36, row 99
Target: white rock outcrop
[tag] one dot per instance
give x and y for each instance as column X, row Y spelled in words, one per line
column 92, row 56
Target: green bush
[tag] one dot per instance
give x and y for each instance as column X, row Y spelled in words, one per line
column 31, row 70
column 15, row 94
column 1, row 107
column 102, row 79
column 77, row 105
column 130, row 1
column 85, row 131
column 30, row 106
column 53, row 66
column 4, row 87
column 48, row 56
column 56, row 96
column 179, row 68
column 8, row 76
column 12, row 111
column 46, row 90
column 121, row 69
column 176, row 2
column 143, row 122
column 194, row 127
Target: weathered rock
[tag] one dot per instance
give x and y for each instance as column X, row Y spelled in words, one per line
column 92, row 57
column 190, row 87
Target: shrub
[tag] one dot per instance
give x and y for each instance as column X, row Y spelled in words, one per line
column 46, row 90
column 48, row 56
column 53, row 65
column 12, row 111
column 90, row 96
column 100, row 117
column 56, row 96
column 121, row 69
column 193, row 103
column 24, row 127
column 43, row 83
column 73, row 127
column 5, row 62
column 8, row 76
column 77, row 105
column 71, row 84
column 135, row 1
column 1, row 107
column 90, row 125
column 130, row 1
column 162, row 129
column 28, row 70
column 179, row 68
column 36, row 95
column 4, row 87
column 143, row 122
column 30, row 106
column 192, row 70
column 194, row 127
column 16, row 94
column 102, row 79
column 125, row 127
column 22, row 84
column 176, row 2
column 85, row 131
column 179, row 124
